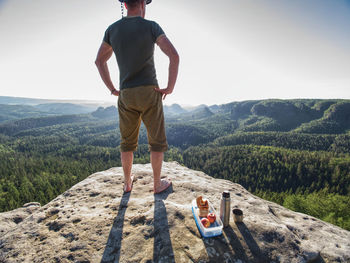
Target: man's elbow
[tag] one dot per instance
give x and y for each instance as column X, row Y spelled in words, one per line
column 98, row 63
column 175, row 57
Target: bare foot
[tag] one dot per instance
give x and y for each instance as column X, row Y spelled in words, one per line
column 128, row 186
column 164, row 184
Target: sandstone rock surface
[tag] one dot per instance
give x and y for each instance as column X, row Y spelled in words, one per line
column 10, row 219
column 95, row 222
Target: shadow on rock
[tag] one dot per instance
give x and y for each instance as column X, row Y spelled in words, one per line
column 235, row 244
column 113, row 246
column 162, row 248
column 258, row 256
column 224, row 248
column 228, row 247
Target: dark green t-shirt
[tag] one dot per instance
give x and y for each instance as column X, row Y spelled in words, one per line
column 132, row 40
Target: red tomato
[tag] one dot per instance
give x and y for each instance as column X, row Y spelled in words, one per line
column 205, row 222
column 211, row 217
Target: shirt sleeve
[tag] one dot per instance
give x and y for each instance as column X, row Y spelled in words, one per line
column 106, row 37
column 156, row 31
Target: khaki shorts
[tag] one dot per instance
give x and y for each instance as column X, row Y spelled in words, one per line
column 136, row 104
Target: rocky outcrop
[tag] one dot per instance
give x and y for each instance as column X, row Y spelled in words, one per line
column 9, row 220
column 95, row 222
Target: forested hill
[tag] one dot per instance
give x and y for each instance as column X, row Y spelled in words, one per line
column 300, row 115
column 307, row 116
column 292, row 152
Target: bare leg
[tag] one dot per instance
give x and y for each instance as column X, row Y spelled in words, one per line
column 156, row 161
column 127, row 159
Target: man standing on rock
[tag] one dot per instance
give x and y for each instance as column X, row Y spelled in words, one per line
column 132, row 40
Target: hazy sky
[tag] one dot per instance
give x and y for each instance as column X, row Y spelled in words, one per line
column 230, row 50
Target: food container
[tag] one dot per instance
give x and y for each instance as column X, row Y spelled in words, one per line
column 215, row 229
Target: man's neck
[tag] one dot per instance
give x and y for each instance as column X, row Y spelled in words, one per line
column 134, row 12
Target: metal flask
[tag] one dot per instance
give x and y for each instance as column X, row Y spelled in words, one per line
column 225, row 208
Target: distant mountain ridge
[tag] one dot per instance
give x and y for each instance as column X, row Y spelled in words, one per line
column 34, row 101
column 173, row 109
column 13, row 108
column 299, row 115
column 15, row 112
column 23, row 101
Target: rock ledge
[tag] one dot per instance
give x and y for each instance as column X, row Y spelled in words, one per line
column 94, row 222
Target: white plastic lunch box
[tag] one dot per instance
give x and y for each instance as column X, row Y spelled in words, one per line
column 215, row 229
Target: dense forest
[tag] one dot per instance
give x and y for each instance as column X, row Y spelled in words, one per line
column 292, row 152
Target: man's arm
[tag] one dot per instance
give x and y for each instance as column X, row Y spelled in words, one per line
column 165, row 45
column 104, row 54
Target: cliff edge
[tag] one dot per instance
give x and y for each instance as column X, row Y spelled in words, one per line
column 94, row 222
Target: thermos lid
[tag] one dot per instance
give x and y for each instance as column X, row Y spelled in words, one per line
column 226, row 194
